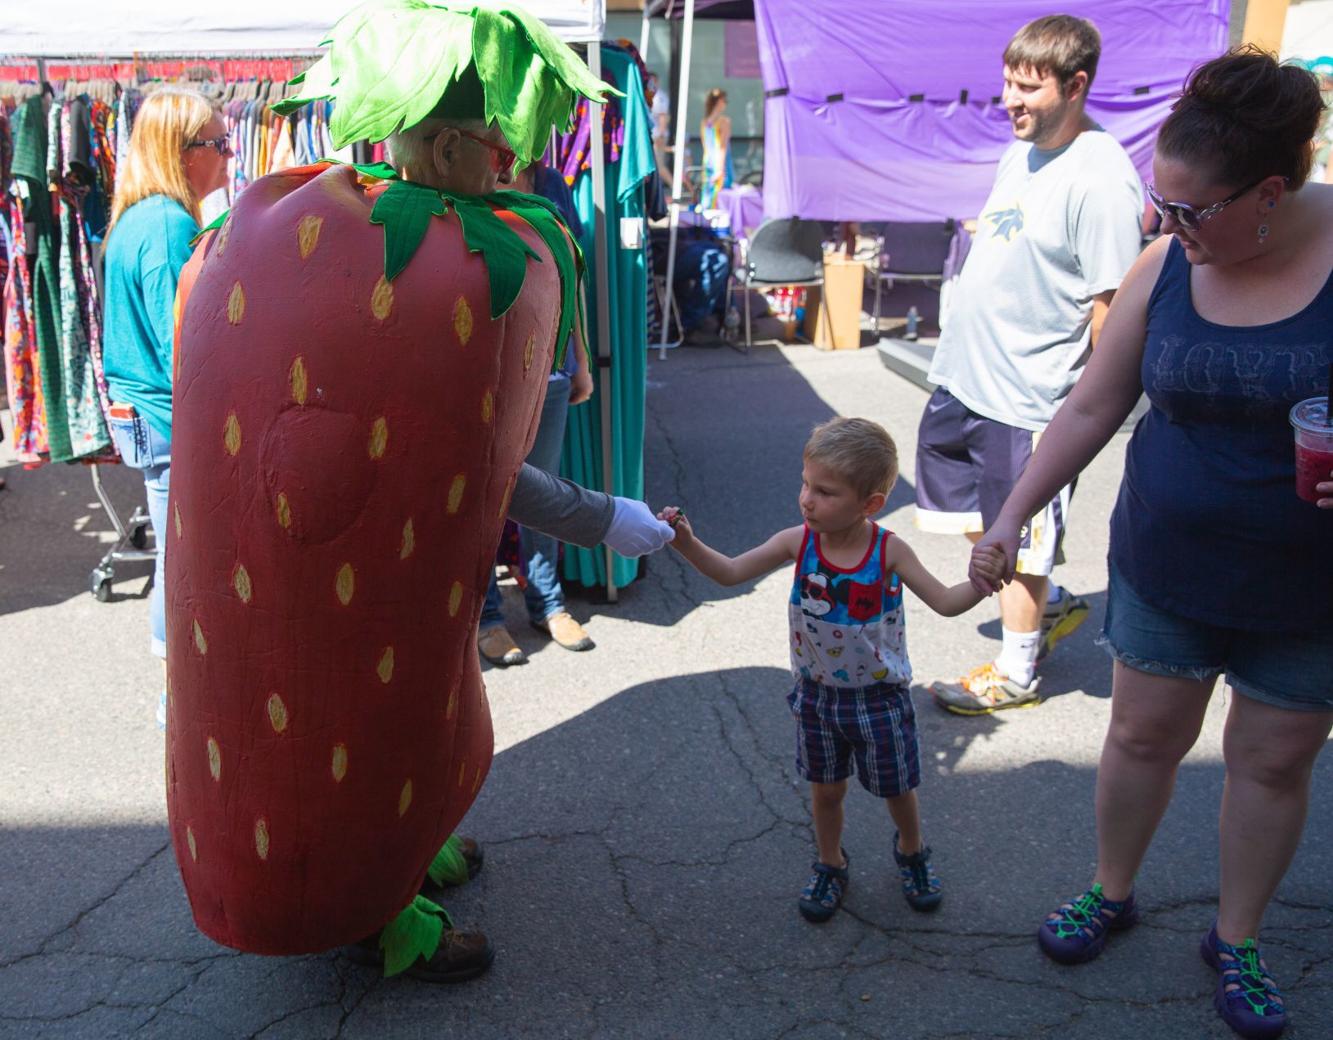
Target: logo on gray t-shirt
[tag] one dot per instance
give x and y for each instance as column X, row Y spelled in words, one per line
column 1058, row 228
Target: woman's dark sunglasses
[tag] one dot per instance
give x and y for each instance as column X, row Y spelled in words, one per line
column 219, row 144
column 503, row 158
column 1189, row 217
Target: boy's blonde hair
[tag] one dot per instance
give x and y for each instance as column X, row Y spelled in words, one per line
column 168, row 120
column 861, row 452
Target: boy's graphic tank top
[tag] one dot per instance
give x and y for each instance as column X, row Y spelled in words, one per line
column 847, row 623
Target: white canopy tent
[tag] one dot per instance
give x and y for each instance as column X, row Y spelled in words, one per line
column 147, row 28
column 92, row 28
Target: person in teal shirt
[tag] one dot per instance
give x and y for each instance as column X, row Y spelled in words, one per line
column 178, row 154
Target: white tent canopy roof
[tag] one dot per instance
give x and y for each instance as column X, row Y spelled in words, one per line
column 96, row 28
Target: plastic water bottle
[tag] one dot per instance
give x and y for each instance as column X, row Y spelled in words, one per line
column 913, row 320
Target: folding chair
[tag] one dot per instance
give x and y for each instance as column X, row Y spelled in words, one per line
column 911, row 252
column 782, row 253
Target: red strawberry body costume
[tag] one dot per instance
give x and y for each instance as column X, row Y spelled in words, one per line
column 344, row 451
column 360, row 368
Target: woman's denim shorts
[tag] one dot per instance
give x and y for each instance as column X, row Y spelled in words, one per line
column 1291, row 670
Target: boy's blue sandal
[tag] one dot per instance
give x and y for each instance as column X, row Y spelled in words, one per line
column 1246, row 997
column 1077, row 931
column 823, row 893
column 921, row 887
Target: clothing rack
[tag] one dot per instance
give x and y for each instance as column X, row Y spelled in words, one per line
column 245, row 86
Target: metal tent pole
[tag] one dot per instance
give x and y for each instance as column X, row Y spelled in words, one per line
column 601, row 263
column 677, row 171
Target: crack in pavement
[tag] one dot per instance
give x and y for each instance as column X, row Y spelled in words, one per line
column 78, row 918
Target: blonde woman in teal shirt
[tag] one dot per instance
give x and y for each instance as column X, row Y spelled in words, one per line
column 178, row 155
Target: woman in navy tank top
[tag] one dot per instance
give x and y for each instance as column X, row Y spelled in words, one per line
column 1216, row 566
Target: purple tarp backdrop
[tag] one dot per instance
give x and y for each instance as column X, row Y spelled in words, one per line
column 876, row 154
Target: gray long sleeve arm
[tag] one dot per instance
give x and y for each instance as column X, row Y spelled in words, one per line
column 559, row 508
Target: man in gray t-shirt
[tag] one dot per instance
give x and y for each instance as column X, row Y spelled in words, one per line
column 1058, row 232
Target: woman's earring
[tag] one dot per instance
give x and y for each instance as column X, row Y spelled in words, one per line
column 1263, row 233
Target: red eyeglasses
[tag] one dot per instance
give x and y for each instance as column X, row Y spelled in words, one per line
column 502, row 158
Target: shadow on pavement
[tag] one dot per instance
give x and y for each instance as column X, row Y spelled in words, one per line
column 643, row 862
column 53, row 531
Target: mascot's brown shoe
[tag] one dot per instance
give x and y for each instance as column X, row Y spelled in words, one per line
column 459, row 957
column 498, row 647
column 565, row 630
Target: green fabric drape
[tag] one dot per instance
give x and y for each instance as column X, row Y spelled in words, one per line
column 627, row 279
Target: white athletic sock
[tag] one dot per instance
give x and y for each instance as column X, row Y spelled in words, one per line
column 1018, row 655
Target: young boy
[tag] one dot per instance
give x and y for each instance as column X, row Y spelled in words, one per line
column 848, row 647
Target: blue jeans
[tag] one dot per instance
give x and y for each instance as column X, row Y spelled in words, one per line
column 143, row 448
column 543, row 596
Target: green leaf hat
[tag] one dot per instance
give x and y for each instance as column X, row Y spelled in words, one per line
column 392, row 63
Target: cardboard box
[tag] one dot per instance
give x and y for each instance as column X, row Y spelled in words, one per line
column 838, row 324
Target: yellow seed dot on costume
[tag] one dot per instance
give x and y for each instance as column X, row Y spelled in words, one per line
column 385, row 668
column 476, row 781
column 409, row 542
column 261, row 837
column 214, row 759
column 456, row 493
column 224, row 236
column 284, row 510
column 462, row 768
column 528, row 349
column 307, row 234
column 487, row 407
column 405, row 799
column 231, row 434
column 199, row 641
column 277, row 713
column 299, row 380
column 240, row 580
column 346, row 584
column 462, row 321
column 177, row 509
column 339, row 762
column 509, row 492
column 455, row 598
column 379, row 438
column 236, row 304
column 452, row 708
column 381, row 299
column 189, row 840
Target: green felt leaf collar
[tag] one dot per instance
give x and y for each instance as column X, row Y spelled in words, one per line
column 405, row 210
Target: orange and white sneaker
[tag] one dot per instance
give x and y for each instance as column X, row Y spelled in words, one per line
column 984, row 690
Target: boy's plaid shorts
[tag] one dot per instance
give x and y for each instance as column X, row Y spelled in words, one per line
column 875, row 726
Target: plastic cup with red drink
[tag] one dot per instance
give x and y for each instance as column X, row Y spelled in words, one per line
column 1314, row 446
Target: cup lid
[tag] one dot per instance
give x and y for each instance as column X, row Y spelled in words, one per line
column 1311, row 414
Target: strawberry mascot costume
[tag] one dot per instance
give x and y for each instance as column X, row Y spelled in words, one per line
column 361, row 361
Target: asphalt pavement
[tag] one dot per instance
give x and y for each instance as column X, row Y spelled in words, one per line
column 646, row 833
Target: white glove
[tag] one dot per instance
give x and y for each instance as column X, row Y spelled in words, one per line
column 634, row 531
